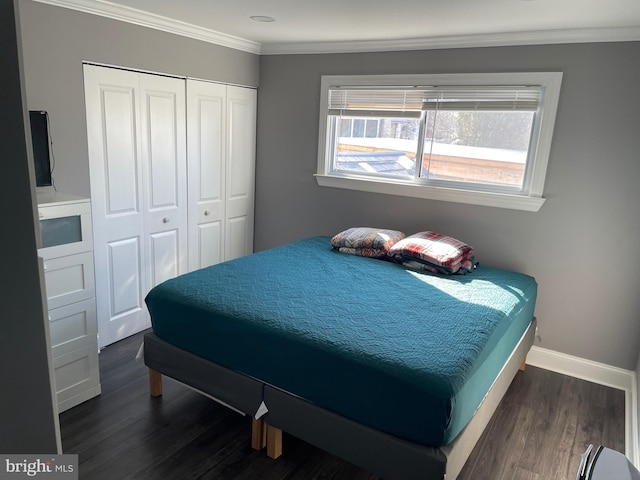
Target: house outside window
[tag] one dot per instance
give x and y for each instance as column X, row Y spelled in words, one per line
column 473, row 138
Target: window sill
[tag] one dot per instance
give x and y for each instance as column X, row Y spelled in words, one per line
column 499, row 200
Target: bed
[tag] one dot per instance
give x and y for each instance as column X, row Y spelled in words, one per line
column 394, row 370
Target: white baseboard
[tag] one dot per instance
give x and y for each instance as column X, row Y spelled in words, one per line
column 602, row 374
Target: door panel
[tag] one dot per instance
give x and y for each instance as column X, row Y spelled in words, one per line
column 163, row 137
column 115, row 166
column 241, row 119
column 236, row 240
column 137, row 160
column 206, row 169
column 209, row 244
column 120, row 162
column 211, row 144
column 165, row 256
column 124, row 277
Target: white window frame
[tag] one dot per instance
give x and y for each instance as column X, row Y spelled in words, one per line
column 530, row 199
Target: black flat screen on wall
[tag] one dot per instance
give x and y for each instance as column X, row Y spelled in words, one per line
column 40, row 140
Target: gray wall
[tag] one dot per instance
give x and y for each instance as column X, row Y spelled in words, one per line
column 581, row 246
column 26, row 406
column 56, row 41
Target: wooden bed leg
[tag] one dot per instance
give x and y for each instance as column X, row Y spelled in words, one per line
column 523, row 365
column 155, row 383
column 258, row 434
column 274, row 442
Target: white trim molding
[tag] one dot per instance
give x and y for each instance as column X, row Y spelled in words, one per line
column 114, row 11
column 515, row 202
column 602, row 374
column 504, row 39
column 104, row 8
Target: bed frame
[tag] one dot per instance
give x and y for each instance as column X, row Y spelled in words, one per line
column 383, row 454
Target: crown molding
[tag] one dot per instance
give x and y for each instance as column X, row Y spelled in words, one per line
column 113, row 11
column 541, row 37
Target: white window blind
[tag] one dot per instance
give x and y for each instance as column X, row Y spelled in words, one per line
column 376, row 102
column 487, row 98
column 409, row 101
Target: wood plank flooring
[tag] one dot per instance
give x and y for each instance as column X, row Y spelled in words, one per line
column 543, row 424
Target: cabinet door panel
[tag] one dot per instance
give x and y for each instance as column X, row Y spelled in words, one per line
column 65, row 229
column 77, row 377
column 73, row 326
column 69, row 279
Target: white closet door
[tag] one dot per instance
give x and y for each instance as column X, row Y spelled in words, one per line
column 115, row 164
column 164, row 177
column 206, row 118
column 136, row 135
column 240, row 175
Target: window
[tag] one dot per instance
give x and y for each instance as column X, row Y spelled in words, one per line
column 473, row 138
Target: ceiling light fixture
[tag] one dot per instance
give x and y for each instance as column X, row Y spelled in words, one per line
column 262, row 18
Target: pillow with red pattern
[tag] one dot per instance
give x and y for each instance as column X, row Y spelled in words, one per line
column 434, row 252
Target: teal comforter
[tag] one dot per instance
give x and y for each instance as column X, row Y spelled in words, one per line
column 411, row 354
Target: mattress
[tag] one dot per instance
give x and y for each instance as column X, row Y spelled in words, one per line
column 410, row 354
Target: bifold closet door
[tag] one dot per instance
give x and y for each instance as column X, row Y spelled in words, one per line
column 137, row 158
column 221, row 135
column 206, row 118
column 240, row 175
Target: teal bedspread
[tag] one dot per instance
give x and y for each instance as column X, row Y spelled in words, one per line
column 411, row 354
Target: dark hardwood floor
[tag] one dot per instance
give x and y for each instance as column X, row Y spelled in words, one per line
column 543, row 424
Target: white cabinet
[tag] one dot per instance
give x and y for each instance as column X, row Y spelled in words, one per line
column 172, row 184
column 67, row 253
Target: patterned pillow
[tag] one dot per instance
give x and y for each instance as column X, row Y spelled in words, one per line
column 435, row 253
column 366, row 241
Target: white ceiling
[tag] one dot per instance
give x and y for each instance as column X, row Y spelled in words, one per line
column 358, row 25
